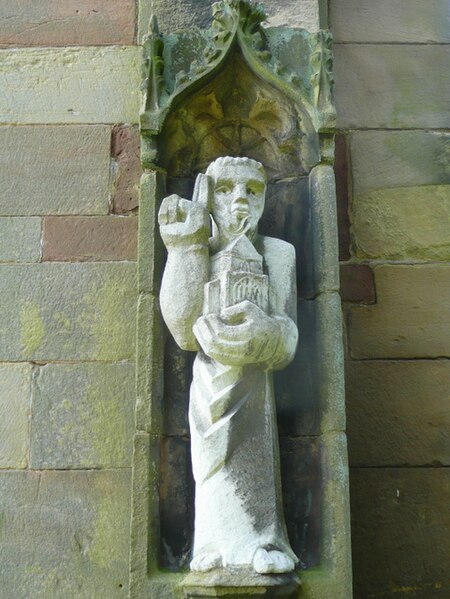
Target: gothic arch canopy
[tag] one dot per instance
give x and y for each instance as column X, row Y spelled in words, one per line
column 234, row 89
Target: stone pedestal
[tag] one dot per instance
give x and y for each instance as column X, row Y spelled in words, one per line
column 238, row 584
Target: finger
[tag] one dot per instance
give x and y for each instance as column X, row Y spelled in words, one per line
column 184, row 209
column 198, row 219
column 167, row 211
column 202, row 190
column 240, row 312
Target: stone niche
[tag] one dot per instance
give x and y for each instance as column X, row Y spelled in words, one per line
column 241, row 89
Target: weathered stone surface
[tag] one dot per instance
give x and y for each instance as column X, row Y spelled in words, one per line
column 177, row 382
column 83, row 416
column 184, row 14
column 400, row 523
column 314, row 380
column 125, row 152
column 287, row 215
column 144, row 512
column 410, row 317
column 324, row 228
column 388, row 159
column 71, row 85
column 150, row 355
column 176, row 504
column 387, row 21
column 91, row 238
column 223, row 583
column 67, row 311
column 20, row 239
column 397, row 412
column 401, row 195
column 335, row 572
column 357, row 284
column 402, row 223
column 66, row 22
column 392, row 86
column 54, row 170
column 302, row 491
column 342, row 173
column 65, row 534
column 293, row 13
column 15, row 399
column 151, row 248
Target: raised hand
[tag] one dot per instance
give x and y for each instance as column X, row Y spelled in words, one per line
column 183, row 223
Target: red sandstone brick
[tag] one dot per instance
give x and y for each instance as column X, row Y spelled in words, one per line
column 125, row 151
column 89, row 239
column 67, row 22
column 357, row 284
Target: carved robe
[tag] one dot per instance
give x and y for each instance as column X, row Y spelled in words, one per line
column 232, row 417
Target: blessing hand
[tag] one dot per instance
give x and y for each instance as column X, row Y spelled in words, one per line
column 183, row 223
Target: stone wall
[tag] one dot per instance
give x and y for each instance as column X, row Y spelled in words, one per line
column 69, row 102
column 69, row 172
column 393, row 168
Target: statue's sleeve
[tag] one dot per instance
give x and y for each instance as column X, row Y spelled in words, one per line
column 280, row 264
column 181, row 296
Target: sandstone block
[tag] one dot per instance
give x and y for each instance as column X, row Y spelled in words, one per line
column 56, row 311
column 410, row 317
column 357, row 284
column 388, row 159
column 71, row 85
column 66, row 23
column 397, row 412
column 402, row 223
column 303, row 14
column 15, row 398
column 400, row 522
column 126, row 153
column 387, row 21
column 184, row 14
column 54, row 170
column 83, row 416
column 392, row 86
column 65, row 534
column 20, row 239
column 92, row 238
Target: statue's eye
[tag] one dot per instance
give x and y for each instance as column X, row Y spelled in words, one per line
column 223, row 189
column 251, row 191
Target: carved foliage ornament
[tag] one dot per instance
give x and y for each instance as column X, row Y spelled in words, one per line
column 237, row 24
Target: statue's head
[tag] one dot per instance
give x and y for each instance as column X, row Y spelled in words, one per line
column 238, row 194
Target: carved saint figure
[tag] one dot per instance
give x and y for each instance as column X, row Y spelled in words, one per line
column 229, row 294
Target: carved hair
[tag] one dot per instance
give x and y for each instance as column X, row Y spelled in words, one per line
column 225, row 161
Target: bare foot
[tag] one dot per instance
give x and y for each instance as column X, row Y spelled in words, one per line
column 205, row 562
column 271, row 561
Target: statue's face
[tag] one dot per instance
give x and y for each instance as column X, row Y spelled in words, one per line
column 238, row 198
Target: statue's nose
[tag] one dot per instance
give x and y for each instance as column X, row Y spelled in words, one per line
column 240, row 195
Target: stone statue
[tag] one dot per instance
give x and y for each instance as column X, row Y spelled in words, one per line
column 230, row 294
